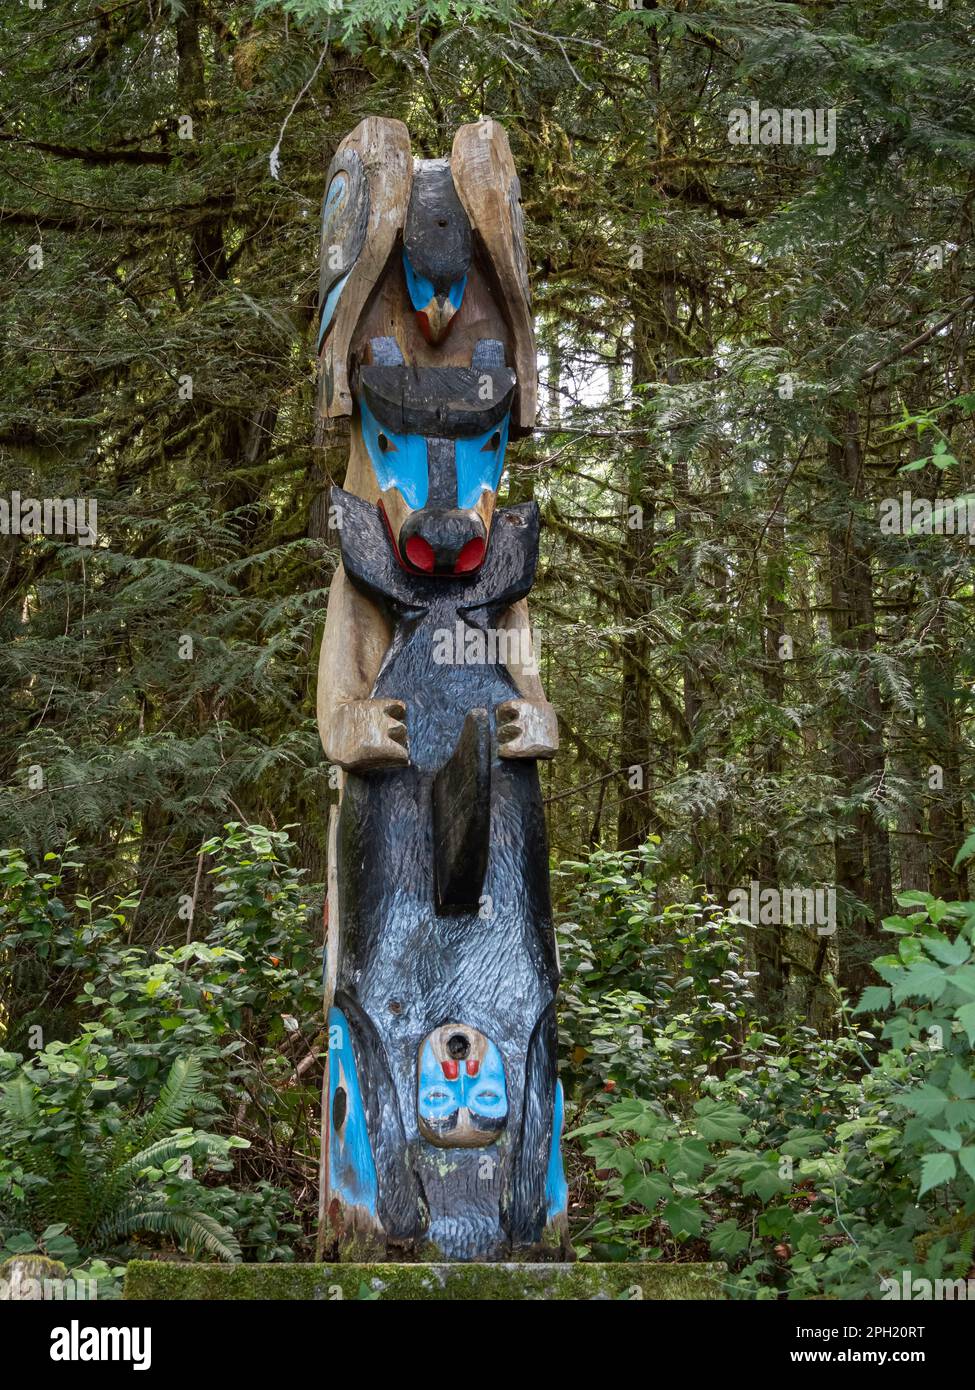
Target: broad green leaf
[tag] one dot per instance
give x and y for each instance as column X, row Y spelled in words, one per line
column 648, row 1190
column 729, row 1240
column 923, row 981
column 873, row 999
column 684, row 1216
column 935, row 1169
column 717, row 1120
column 947, row 952
column 966, row 851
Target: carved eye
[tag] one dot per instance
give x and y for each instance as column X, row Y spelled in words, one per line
column 386, row 445
column 339, row 1107
column 492, row 444
column 488, row 1097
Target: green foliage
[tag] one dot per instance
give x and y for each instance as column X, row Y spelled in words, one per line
column 94, row 1127
column 89, row 1177
column 812, row 1165
column 746, row 349
column 653, row 996
column 931, row 990
column 350, row 19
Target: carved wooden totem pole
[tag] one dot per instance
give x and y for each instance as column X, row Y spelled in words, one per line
column 443, row 1112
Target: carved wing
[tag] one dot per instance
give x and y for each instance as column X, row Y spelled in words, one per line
column 488, row 188
column 345, row 220
column 365, row 206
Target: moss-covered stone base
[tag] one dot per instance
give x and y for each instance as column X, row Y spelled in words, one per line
column 162, row 1279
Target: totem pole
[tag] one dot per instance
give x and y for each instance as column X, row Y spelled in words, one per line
column 442, row 1111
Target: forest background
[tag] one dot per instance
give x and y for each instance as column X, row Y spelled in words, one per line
column 749, row 353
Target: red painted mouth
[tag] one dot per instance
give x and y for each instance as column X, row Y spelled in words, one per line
column 420, row 554
column 470, row 557
column 420, row 558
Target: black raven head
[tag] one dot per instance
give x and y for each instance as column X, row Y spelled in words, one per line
column 436, row 248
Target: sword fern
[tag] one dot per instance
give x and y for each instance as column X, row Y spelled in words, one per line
column 92, row 1169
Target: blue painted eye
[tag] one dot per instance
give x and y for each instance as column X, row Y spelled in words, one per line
column 487, row 1102
column 436, row 1103
column 479, row 463
column 335, row 194
column 419, row 287
column 399, row 460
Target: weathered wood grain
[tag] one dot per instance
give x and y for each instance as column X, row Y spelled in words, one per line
column 383, row 148
column 488, row 186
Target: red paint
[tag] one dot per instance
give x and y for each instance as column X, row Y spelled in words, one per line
column 409, row 568
column 450, row 1070
column 473, row 1066
column 470, row 556
column 420, row 554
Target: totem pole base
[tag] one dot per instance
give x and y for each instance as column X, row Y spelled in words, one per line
column 361, row 1246
column 163, row 1279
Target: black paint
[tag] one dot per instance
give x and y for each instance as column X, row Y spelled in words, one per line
column 447, row 960
column 437, row 234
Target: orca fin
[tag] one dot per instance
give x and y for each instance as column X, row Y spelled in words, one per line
column 462, row 817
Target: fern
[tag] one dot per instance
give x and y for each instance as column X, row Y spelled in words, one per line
column 95, row 1185
column 196, row 1232
column 176, row 1098
column 19, row 1103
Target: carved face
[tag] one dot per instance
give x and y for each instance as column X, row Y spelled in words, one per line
column 462, row 1100
column 436, row 440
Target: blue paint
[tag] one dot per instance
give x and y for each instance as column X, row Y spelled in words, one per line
column 421, row 290
column 331, row 302
column 419, row 287
column 402, row 463
column 334, row 192
column 484, row 1095
column 352, row 1170
column 336, row 197
column 479, row 465
column 556, row 1187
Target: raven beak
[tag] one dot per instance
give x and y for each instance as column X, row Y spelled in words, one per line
column 436, row 318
